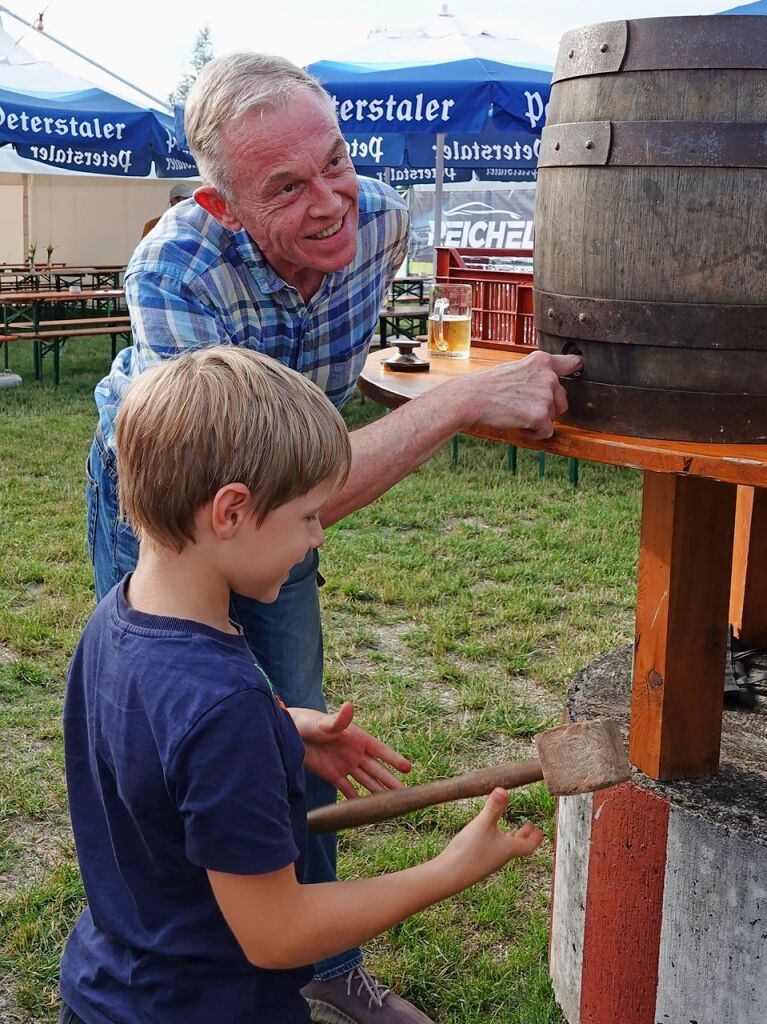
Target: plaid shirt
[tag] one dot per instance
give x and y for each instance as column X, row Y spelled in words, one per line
column 192, row 283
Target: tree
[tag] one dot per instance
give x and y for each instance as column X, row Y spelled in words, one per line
column 202, row 52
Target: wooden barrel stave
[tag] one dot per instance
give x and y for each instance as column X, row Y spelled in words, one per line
column 659, row 232
column 703, row 234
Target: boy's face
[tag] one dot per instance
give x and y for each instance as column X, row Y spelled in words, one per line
column 262, row 556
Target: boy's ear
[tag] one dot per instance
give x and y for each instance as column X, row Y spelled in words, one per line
column 230, row 507
column 210, row 199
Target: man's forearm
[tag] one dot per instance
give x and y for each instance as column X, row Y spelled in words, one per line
column 524, row 395
column 387, row 450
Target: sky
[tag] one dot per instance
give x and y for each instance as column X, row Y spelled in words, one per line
column 148, row 42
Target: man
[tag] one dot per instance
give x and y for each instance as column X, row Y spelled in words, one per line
column 286, row 251
column 180, row 191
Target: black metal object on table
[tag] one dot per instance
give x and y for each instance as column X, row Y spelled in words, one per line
column 407, row 361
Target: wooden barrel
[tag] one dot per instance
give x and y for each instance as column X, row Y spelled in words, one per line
column 651, row 226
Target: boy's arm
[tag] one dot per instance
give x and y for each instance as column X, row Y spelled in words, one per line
column 281, row 924
column 337, row 750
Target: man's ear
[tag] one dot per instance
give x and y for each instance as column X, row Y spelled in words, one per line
column 210, row 199
column 230, row 507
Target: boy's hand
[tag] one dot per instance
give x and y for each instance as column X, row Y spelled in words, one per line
column 338, row 751
column 482, row 847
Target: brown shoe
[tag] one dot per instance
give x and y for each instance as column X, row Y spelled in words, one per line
column 359, row 998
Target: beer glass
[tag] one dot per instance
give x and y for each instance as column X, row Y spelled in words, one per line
column 449, row 328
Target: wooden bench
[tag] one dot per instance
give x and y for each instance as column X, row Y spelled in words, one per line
column 70, row 323
column 4, row 340
column 50, row 335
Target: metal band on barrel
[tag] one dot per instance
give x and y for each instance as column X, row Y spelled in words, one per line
column 654, row 144
column 702, row 325
column 683, row 415
column 663, row 44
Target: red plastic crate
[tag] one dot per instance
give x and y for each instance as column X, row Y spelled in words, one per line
column 502, row 300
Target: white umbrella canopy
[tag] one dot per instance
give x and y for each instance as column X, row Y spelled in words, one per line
column 441, row 40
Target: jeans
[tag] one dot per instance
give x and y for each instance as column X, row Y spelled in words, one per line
column 285, row 637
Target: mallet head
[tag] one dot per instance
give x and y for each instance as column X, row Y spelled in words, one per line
column 582, row 757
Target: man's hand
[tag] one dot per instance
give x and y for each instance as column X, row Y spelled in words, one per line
column 524, row 395
column 338, row 752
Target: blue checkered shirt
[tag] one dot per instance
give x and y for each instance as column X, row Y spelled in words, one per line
column 192, row 283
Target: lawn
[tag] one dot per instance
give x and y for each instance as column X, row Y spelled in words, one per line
column 456, row 609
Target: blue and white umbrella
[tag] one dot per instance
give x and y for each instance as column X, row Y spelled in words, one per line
column 442, row 77
column 406, row 92
column 514, row 152
column 760, row 7
column 51, row 121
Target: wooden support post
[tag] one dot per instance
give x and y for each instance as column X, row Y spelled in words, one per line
column 685, row 565
column 748, row 596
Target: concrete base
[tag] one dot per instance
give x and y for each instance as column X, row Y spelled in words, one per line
column 659, row 907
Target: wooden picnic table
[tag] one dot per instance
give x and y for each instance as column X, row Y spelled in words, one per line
column 48, row 318
column 407, row 319
column 696, row 498
column 25, row 265
column 34, row 297
column 411, row 285
column 58, row 276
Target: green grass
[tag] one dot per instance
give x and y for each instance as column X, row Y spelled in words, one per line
column 456, row 609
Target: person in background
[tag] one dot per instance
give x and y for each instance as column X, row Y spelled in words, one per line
column 180, row 191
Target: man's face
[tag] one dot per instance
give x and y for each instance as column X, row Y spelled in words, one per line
column 294, row 187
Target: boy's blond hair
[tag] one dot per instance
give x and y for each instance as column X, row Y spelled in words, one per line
column 218, row 416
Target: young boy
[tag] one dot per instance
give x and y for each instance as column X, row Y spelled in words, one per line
column 184, row 768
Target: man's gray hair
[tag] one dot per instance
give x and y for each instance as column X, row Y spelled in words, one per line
column 229, row 87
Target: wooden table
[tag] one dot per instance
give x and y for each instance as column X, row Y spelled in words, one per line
column 696, row 498
column 412, row 284
column 58, row 277
column 105, row 275
column 408, row 320
column 23, row 312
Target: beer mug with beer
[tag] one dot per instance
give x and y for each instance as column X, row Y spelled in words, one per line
column 450, row 321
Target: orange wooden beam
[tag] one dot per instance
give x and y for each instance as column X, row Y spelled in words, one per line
column 685, row 565
column 748, row 596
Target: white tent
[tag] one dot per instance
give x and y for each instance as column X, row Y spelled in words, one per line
column 80, row 168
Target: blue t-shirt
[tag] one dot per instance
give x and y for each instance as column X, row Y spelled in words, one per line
column 179, row 758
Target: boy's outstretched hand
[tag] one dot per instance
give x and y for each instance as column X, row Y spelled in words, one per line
column 338, row 752
column 482, row 847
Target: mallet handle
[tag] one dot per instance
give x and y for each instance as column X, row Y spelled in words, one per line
column 396, row 802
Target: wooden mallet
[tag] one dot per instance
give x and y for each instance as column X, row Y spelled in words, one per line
column 577, row 758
